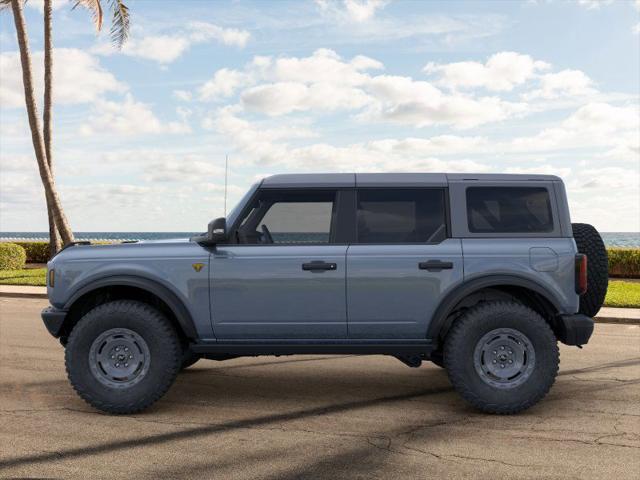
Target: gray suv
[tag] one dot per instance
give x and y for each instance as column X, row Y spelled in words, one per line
column 479, row 274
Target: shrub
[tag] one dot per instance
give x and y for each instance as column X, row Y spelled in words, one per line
column 624, row 262
column 37, row 252
column 12, row 256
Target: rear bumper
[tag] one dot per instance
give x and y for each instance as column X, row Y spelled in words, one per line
column 53, row 319
column 574, row 329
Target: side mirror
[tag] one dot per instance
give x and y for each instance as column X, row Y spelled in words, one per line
column 216, row 232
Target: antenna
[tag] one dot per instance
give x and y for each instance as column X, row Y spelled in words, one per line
column 226, row 170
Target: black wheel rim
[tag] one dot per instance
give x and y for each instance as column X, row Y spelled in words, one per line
column 504, row 358
column 119, row 358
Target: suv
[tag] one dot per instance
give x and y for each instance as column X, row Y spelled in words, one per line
column 480, row 274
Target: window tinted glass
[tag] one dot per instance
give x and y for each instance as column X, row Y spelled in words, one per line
column 401, row 216
column 289, row 217
column 509, row 210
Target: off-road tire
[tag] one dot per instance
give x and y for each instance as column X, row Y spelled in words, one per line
column 466, row 333
column 589, row 242
column 188, row 358
column 165, row 355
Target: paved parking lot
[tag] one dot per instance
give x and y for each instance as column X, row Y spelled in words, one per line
column 316, row 417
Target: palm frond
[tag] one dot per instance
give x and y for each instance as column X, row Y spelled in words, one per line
column 119, row 23
column 5, row 4
column 95, row 8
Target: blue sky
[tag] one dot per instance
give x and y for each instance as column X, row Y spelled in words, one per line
column 548, row 86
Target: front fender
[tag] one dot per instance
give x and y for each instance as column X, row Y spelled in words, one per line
column 177, row 306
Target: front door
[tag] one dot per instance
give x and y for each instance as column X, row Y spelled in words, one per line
column 401, row 264
column 282, row 276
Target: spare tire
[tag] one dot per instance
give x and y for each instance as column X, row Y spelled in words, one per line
column 589, row 242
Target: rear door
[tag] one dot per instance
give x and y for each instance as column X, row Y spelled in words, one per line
column 402, row 262
column 283, row 275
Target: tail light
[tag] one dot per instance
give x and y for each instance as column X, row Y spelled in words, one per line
column 581, row 274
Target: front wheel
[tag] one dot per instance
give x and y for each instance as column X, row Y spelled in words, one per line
column 122, row 356
column 502, row 357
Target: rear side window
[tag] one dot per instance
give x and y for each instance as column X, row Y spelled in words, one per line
column 401, row 216
column 509, row 210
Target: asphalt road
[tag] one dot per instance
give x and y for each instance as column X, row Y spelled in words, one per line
column 316, row 417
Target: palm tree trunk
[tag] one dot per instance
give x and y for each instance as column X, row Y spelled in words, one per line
column 34, row 123
column 54, row 238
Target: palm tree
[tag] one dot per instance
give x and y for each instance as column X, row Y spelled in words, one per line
column 59, row 228
column 54, row 236
column 53, row 200
column 119, row 34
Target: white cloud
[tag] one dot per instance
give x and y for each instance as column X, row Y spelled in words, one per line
column 636, row 29
column 418, row 103
column 286, row 97
column 128, row 118
column 78, row 78
column 183, row 95
column 566, row 82
column 326, row 82
column 202, row 32
column 351, row 10
column 502, row 72
column 591, row 126
column 224, row 83
column 188, row 168
column 39, row 4
column 594, row 4
column 166, row 48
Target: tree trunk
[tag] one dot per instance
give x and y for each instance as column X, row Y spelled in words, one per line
column 54, row 238
column 34, row 124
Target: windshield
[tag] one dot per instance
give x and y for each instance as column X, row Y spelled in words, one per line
column 235, row 211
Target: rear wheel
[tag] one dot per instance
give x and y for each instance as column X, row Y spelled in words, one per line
column 122, row 356
column 502, row 357
column 590, row 243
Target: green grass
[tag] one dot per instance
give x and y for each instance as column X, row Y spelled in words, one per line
column 620, row 293
column 27, row 276
column 623, row 294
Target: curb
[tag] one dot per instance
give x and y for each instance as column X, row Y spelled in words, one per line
column 603, row 319
column 618, row 320
column 22, row 295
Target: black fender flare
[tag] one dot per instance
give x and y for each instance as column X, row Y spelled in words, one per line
column 439, row 320
column 174, row 303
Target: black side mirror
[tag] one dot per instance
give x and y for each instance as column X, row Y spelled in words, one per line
column 216, row 232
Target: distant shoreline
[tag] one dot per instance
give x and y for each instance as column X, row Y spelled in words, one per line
column 611, row 239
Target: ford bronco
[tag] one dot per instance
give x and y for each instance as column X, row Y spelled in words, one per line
column 480, row 274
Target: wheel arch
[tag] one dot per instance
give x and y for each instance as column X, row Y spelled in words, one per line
column 134, row 288
column 523, row 289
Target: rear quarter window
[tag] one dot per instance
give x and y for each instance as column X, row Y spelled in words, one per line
column 509, row 210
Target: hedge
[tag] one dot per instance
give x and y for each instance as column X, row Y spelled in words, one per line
column 624, row 262
column 12, row 256
column 37, row 252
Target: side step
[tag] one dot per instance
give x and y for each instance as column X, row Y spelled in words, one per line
column 406, row 349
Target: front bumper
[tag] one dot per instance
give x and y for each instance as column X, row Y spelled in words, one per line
column 574, row 329
column 54, row 320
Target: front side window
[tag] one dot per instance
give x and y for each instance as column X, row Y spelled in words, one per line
column 401, row 216
column 288, row 217
column 509, row 210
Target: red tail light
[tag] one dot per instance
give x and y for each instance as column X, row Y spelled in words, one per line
column 581, row 274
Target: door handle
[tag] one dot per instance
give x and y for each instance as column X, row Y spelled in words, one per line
column 319, row 266
column 435, row 265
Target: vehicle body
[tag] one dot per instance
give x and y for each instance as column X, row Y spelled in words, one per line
column 341, row 263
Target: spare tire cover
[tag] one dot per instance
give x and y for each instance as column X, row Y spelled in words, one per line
column 589, row 242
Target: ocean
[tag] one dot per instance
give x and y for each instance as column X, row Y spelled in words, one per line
column 611, row 239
